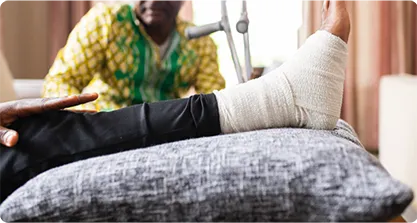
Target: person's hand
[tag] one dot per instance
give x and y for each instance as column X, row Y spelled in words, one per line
column 12, row 110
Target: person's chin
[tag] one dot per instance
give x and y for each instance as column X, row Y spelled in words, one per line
column 156, row 20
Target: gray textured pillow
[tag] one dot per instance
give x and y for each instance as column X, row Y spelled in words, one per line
column 269, row 175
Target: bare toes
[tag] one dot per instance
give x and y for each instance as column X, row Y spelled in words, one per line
column 336, row 19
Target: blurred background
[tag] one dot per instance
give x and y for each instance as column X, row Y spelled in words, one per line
column 383, row 41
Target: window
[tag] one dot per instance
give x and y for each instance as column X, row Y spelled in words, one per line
column 273, row 31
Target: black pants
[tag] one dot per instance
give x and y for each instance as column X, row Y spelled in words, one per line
column 56, row 138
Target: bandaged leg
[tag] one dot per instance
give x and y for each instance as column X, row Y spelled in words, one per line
column 306, row 91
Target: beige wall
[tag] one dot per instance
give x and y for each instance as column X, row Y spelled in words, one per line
column 1, row 32
column 25, row 37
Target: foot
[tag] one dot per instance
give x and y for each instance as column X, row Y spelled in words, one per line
column 306, row 91
column 335, row 19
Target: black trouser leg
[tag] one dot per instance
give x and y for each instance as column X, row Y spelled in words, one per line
column 56, row 138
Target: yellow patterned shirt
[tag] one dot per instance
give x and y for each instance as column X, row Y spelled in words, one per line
column 109, row 54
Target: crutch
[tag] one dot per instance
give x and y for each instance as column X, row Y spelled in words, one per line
column 224, row 25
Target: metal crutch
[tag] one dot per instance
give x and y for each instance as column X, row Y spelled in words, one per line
column 223, row 25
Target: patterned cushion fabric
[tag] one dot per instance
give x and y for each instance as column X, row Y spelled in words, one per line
column 269, row 175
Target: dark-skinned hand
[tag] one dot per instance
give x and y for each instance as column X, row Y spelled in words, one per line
column 13, row 110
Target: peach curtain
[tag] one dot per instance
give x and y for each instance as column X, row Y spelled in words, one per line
column 383, row 41
column 63, row 16
column 1, row 32
column 25, row 37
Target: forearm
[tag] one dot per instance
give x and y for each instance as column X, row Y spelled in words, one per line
column 56, row 87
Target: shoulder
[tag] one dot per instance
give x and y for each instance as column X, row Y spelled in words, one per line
column 199, row 43
column 107, row 13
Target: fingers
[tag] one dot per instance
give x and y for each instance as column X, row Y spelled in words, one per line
column 70, row 101
column 27, row 107
column 83, row 111
column 8, row 137
column 10, row 111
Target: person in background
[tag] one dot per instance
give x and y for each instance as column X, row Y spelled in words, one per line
column 131, row 55
column 304, row 92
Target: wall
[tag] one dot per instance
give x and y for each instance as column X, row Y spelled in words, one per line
column 1, row 31
column 25, row 44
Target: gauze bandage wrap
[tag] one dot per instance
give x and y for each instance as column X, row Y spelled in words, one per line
column 306, row 91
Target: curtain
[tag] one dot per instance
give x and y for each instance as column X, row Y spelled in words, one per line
column 25, row 37
column 63, row 16
column 1, row 32
column 382, row 42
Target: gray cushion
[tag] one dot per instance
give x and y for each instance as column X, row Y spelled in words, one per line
column 268, row 175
